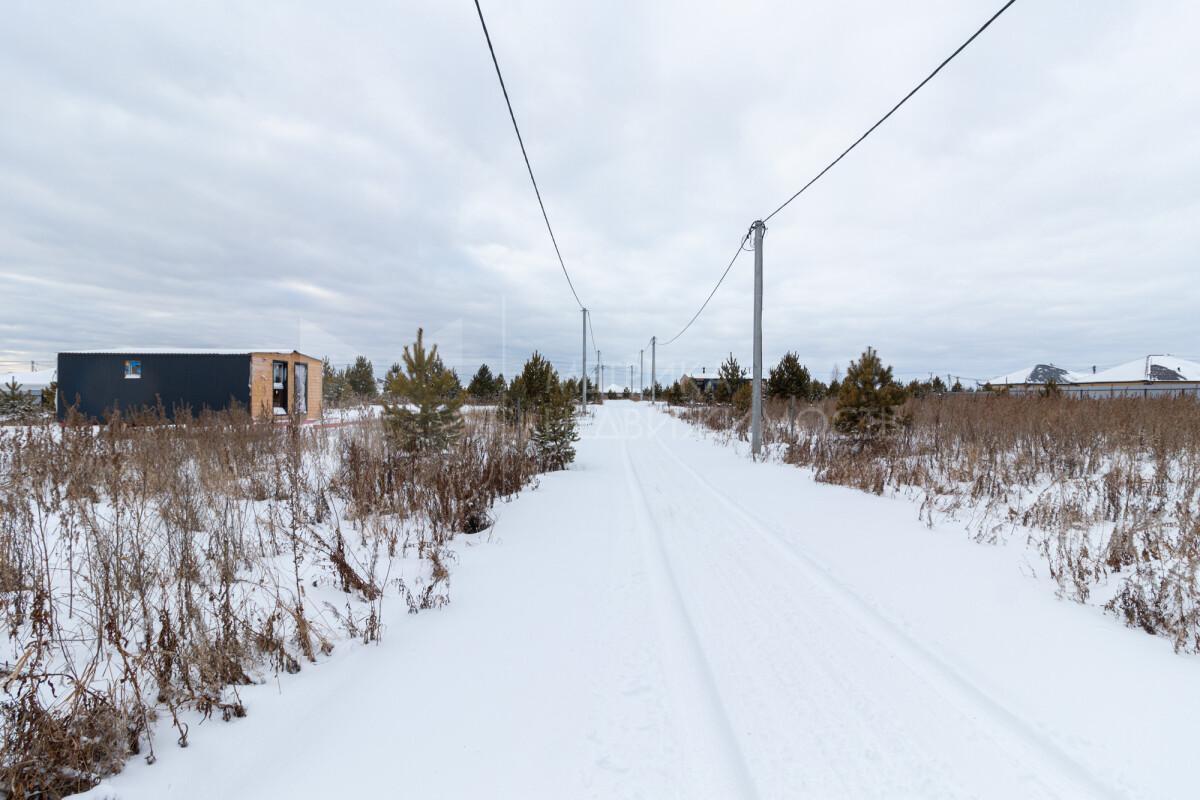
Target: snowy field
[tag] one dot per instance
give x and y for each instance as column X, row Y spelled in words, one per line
column 669, row 619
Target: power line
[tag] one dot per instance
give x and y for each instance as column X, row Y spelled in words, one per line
column 592, row 331
column 704, row 305
column 884, row 118
column 833, row 163
column 521, row 141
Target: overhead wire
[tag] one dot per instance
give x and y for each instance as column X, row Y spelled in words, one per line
column 592, row 331
column 835, row 161
column 893, row 110
column 704, row 305
column 546, row 217
column 525, row 155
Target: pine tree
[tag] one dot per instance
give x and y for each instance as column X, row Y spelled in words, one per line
column 673, row 395
column 10, row 396
column 835, row 383
column 790, row 379
column 483, row 385
column 730, row 378
column 515, row 407
column 14, row 401
column 427, row 418
column 360, row 379
column 454, row 387
column 533, row 387
column 868, row 398
column 394, row 377
column 572, row 387
column 333, row 383
column 391, row 380
column 743, row 399
column 689, row 392
column 555, row 431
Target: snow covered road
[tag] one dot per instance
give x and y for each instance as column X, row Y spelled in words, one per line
column 669, row 619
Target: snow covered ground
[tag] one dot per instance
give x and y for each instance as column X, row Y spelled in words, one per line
column 669, row 619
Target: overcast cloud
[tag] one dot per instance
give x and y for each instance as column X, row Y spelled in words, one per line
column 331, row 176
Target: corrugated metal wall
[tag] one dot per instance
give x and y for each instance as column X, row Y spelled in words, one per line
column 95, row 383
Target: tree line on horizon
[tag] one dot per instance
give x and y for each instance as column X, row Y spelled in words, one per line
column 356, row 383
column 423, row 401
column 867, row 398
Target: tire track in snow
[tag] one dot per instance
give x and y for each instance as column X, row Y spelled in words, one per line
column 823, row 709
column 736, row 772
column 1063, row 773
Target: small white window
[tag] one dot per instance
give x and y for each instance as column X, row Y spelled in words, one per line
column 133, row 369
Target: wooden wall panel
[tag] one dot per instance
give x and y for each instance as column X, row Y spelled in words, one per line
column 260, row 385
column 316, row 375
column 261, row 381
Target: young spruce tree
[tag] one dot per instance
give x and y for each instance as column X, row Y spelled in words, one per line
column 427, row 417
column 14, row 401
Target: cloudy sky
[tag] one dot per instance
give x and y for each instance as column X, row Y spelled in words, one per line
column 332, row 176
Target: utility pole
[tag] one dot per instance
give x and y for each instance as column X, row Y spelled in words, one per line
column 599, row 385
column 642, row 374
column 631, row 378
column 583, row 372
column 653, row 371
column 756, row 400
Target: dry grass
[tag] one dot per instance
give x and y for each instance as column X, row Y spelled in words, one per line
column 1106, row 491
column 150, row 569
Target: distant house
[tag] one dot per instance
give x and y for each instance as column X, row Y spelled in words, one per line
column 268, row 382
column 1036, row 376
column 705, row 381
column 1152, row 376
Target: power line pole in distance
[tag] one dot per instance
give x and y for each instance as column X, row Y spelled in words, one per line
column 653, row 369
